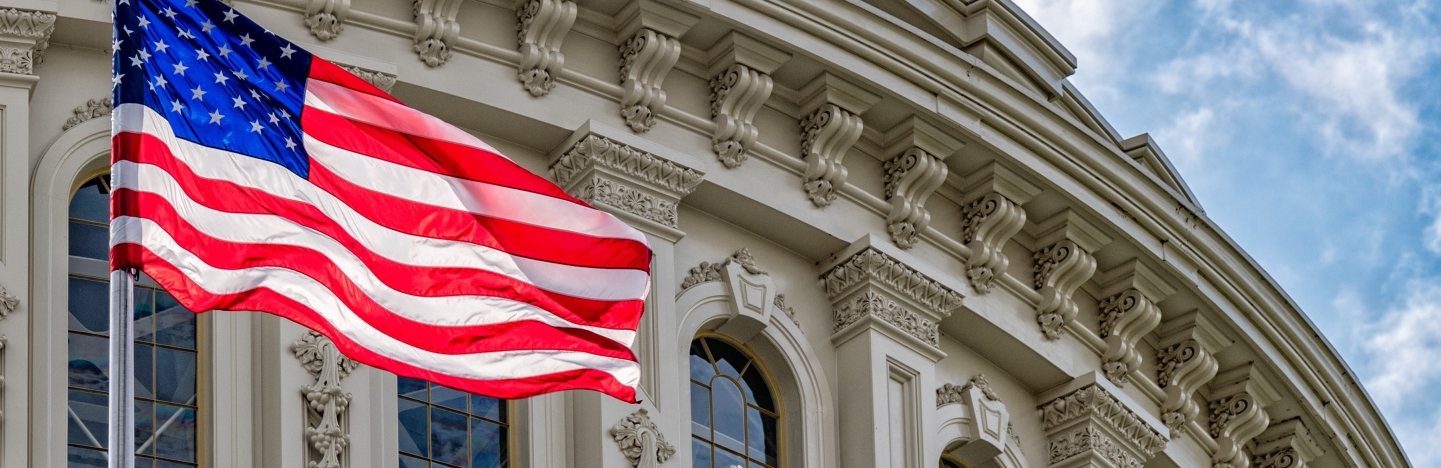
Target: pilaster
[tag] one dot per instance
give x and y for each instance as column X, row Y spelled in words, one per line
column 541, row 28
column 649, row 48
column 1128, row 312
column 913, row 174
column 1286, row 444
column 831, row 126
column 1239, row 397
column 990, row 218
column 436, row 28
column 886, row 316
column 1091, row 423
column 1061, row 266
column 1184, row 362
column 741, row 83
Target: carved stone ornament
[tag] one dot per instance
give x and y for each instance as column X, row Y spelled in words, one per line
column 1125, row 318
column 651, row 187
column 1181, row 369
column 1090, row 439
column 952, row 393
column 736, row 95
column 541, row 29
column 1059, row 270
column 326, row 18
column 326, row 403
column 780, row 303
column 826, row 135
column 872, row 266
column 641, row 441
column 645, row 59
column 92, row 109
column 436, row 29
column 17, row 56
column 1091, row 419
column 708, row 271
column 871, row 304
column 1237, row 416
column 384, row 81
column 986, row 225
column 911, row 178
column 1286, row 444
column 8, row 302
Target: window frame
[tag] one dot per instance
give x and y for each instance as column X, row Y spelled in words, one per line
column 770, row 381
column 511, row 425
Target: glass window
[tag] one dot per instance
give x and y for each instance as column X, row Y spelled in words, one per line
column 733, row 415
column 166, row 362
column 949, row 463
column 443, row 427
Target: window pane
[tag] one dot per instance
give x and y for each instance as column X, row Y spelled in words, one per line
column 700, row 366
column 762, row 433
column 486, row 407
column 89, row 306
column 448, row 437
column 89, row 241
column 144, row 371
column 407, row 461
column 144, row 427
column 447, row 397
column 89, row 419
column 175, row 432
column 414, row 428
column 174, row 375
column 411, row 388
column 89, row 362
column 757, row 392
column 726, row 459
column 76, row 457
column 171, row 464
column 142, row 313
column 487, row 444
column 729, row 360
column 90, row 203
column 728, row 413
column 700, row 410
column 700, row 454
column 174, row 325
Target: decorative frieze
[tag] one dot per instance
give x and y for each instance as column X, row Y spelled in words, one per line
column 1184, row 363
column 1062, row 266
column 741, row 84
column 647, row 54
column 542, row 26
column 870, row 304
column 831, row 126
column 436, row 29
column 870, row 289
column 641, row 441
column 381, row 80
column 916, row 171
column 1091, row 423
column 326, row 425
column 873, row 266
column 625, row 179
column 326, row 18
column 24, row 36
column 1238, row 414
column 92, row 109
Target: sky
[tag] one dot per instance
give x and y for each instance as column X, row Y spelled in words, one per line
column 1310, row 131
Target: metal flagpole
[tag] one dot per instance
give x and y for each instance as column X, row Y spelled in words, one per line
column 122, row 370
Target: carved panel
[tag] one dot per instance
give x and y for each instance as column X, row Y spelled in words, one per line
column 607, row 173
column 326, row 417
column 1059, row 270
column 641, row 441
column 29, row 34
column 870, row 265
column 871, row 304
column 1072, row 420
column 1086, row 440
column 541, row 29
column 435, row 29
column 326, row 18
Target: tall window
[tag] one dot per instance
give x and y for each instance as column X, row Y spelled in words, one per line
column 733, row 415
column 444, row 427
column 165, row 352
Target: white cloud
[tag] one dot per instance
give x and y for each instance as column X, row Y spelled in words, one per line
column 1404, row 346
column 1089, row 29
column 1187, row 139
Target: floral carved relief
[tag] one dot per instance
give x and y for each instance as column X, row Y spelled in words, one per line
column 641, row 441
column 326, row 428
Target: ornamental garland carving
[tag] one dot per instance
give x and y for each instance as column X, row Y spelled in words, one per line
column 326, row 18
column 645, row 60
column 1181, row 369
column 986, row 225
column 641, row 441
column 780, row 303
column 541, row 29
column 595, row 150
column 384, row 81
column 1125, row 318
column 326, row 403
column 8, row 302
column 1090, row 439
column 952, row 393
column 826, row 135
column 911, row 178
column 1092, row 401
column 872, row 265
column 873, row 304
column 1059, row 270
column 607, row 192
column 435, row 29
column 1235, row 420
column 708, row 271
column 26, row 24
column 92, row 109
column 736, row 95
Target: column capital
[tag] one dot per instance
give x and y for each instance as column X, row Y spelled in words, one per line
column 871, row 288
column 24, row 36
column 627, row 178
column 1091, row 423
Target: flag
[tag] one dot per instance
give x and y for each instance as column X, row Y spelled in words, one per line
column 251, row 175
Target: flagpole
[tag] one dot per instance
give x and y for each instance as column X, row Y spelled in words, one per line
column 122, row 370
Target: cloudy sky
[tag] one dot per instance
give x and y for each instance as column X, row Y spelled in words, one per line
column 1310, row 130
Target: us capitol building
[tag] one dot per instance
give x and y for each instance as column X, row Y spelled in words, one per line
column 887, row 233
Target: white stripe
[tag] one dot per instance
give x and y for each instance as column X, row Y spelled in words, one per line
column 591, row 283
column 306, row 291
column 384, row 113
column 213, row 163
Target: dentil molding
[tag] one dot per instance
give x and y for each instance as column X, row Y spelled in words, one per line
column 989, row 220
column 381, row 80
column 326, row 18
column 92, row 109
column 831, row 126
column 648, row 52
column 641, row 441
column 1091, row 423
column 1238, row 414
column 542, row 26
column 911, row 176
column 326, row 425
column 435, row 29
column 1062, row 266
column 741, row 84
column 24, row 36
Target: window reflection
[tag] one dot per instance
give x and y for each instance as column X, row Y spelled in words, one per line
column 733, row 415
column 444, row 427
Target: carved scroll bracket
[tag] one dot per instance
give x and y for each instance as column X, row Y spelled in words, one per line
column 641, row 441
column 989, row 220
column 1062, row 264
column 326, row 18
column 1128, row 313
column 873, row 289
column 639, row 186
column 1185, row 362
column 1096, row 421
column 916, row 171
column 542, row 27
column 24, row 36
column 436, row 29
column 1286, row 444
column 326, row 425
column 831, row 126
column 648, row 52
column 741, row 84
column 1238, row 413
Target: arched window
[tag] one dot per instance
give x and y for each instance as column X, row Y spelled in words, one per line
column 947, row 462
column 733, row 412
column 166, row 361
column 442, row 427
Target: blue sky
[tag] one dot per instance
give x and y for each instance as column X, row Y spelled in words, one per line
column 1310, row 130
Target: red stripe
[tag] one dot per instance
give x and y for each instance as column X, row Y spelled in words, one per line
column 197, row 299
column 321, row 69
column 435, row 156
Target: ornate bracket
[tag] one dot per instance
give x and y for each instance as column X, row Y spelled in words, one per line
column 435, row 29
column 326, row 402
column 741, row 84
column 24, row 36
column 542, row 27
column 641, row 441
column 326, row 18
column 1091, row 423
column 913, row 175
column 1184, row 362
column 92, row 109
column 1286, row 444
column 638, row 186
column 1061, row 268
column 1238, row 414
column 990, row 219
column 1129, row 313
column 831, row 126
column 647, row 56
column 381, row 80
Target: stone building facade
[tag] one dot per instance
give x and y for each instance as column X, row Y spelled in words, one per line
column 887, row 233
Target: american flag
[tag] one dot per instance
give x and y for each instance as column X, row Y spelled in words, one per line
column 251, row 175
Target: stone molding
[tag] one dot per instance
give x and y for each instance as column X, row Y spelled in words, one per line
column 24, row 36
column 831, row 127
column 740, row 85
column 871, row 266
column 913, row 174
column 975, row 406
column 327, row 405
column 381, row 80
column 641, row 441
column 1238, row 414
column 541, row 28
column 1185, row 362
column 436, row 28
column 952, row 393
column 326, row 18
column 92, row 109
column 1090, row 423
column 649, row 49
column 1062, row 267
column 754, row 296
column 872, row 304
column 627, row 181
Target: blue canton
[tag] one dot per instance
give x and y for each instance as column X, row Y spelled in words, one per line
column 220, row 79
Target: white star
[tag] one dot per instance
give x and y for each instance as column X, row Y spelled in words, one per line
column 273, row 119
column 191, row 3
column 280, row 86
column 135, row 60
column 239, row 103
column 220, row 78
column 254, row 94
column 263, row 63
column 175, row 106
column 197, row 93
column 245, row 40
column 144, row 23
column 159, row 82
column 115, row 46
column 255, row 126
column 206, row 26
column 230, row 16
column 179, row 69
column 124, row 2
column 289, row 144
column 115, row 80
column 201, row 55
column 286, row 51
column 224, row 50
column 242, row 75
column 215, row 117
column 186, row 34
column 160, row 46
column 144, row 55
column 127, row 30
column 169, row 13
column 284, row 114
